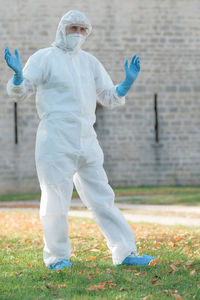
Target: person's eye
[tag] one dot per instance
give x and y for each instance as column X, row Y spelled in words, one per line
column 83, row 30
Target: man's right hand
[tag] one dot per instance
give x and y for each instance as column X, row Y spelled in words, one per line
column 15, row 64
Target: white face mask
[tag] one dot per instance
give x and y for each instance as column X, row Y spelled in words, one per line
column 74, row 41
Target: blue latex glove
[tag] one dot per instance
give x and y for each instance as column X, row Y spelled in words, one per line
column 132, row 72
column 15, row 64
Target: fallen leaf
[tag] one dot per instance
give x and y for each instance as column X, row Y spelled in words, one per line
column 98, row 271
column 91, row 258
column 106, row 258
column 95, row 288
column 90, row 275
column 95, row 250
column 174, row 268
column 30, row 265
column 50, row 287
column 58, row 271
column 109, row 283
column 147, row 297
column 126, row 289
column 156, row 279
column 128, row 279
column 197, row 270
column 101, row 286
column 178, row 297
column 132, row 270
column 178, row 263
column 44, row 277
column 192, row 272
column 189, row 263
column 61, row 285
column 170, row 292
column 153, row 262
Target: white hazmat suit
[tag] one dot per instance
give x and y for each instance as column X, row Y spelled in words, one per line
column 67, row 85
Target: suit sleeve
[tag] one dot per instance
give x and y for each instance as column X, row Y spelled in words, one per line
column 105, row 89
column 33, row 76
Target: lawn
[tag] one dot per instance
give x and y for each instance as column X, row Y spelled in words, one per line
column 24, row 276
column 143, row 195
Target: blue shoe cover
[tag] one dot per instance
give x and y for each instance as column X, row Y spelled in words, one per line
column 61, row 264
column 138, row 260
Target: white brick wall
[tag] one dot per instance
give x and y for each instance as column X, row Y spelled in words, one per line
column 166, row 35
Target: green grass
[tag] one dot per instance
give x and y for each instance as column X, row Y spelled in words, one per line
column 144, row 195
column 20, row 197
column 23, row 275
column 192, row 199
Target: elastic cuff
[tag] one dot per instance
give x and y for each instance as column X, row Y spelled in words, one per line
column 117, row 96
column 17, row 79
column 118, row 259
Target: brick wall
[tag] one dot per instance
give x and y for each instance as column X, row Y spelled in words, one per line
column 166, row 35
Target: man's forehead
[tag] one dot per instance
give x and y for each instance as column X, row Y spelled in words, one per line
column 78, row 25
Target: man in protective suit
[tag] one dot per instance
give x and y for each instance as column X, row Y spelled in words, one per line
column 67, row 81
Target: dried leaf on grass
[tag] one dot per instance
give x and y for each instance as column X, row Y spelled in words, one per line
column 58, row 271
column 156, row 278
column 155, row 283
column 174, row 268
column 89, row 275
column 126, row 289
column 148, row 297
column 153, row 262
column 129, row 280
column 173, row 293
column 95, row 250
column 193, row 272
column 91, row 258
column 106, row 258
column 55, row 287
column 178, row 297
column 50, row 287
column 189, row 263
column 30, row 265
column 101, row 286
